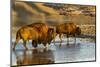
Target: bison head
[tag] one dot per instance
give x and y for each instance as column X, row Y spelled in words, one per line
column 78, row 30
column 51, row 34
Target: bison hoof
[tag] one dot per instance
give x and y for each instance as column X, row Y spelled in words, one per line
column 60, row 46
column 46, row 46
column 35, row 45
column 13, row 49
column 26, row 48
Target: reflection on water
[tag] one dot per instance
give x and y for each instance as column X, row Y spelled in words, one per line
column 36, row 56
column 81, row 51
column 74, row 53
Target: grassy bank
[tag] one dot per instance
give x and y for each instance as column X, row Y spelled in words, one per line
column 88, row 29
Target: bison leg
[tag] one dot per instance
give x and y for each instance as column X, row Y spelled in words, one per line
column 17, row 40
column 25, row 45
column 74, row 39
column 53, row 41
column 34, row 44
column 67, row 39
column 46, row 45
column 60, row 35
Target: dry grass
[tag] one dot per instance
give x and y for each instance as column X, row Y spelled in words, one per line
column 88, row 29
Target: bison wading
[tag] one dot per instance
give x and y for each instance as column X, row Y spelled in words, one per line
column 45, row 39
column 30, row 32
column 69, row 29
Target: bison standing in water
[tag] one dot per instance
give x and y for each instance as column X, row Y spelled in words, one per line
column 37, row 32
column 45, row 39
column 70, row 29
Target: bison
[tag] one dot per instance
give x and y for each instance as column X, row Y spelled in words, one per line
column 70, row 29
column 45, row 39
column 42, row 27
column 37, row 32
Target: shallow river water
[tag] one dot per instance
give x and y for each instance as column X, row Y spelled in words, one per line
column 82, row 50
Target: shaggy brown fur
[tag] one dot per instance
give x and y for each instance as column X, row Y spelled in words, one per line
column 37, row 32
column 70, row 29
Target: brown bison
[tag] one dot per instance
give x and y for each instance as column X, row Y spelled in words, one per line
column 70, row 29
column 37, row 32
column 45, row 39
column 42, row 27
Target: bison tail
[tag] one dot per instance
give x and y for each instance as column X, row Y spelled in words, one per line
column 17, row 39
column 18, row 35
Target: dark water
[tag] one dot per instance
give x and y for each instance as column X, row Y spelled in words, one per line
column 83, row 50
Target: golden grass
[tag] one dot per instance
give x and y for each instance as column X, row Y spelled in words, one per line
column 46, row 9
